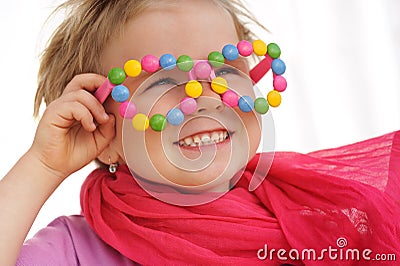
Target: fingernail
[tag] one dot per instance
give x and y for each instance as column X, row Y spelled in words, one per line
column 106, row 116
column 93, row 125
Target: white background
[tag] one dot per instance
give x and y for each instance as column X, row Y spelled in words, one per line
column 343, row 66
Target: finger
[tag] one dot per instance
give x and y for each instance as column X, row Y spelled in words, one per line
column 68, row 113
column 90, row 102
column 105, row 133
column 87, row 81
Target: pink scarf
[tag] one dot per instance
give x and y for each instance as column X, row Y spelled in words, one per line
column 343, row 198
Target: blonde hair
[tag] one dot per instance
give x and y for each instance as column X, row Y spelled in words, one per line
column 76, row 45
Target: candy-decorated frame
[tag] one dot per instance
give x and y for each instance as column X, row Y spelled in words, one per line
column 197, row 70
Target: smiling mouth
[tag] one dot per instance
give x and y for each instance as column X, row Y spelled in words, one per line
column 205, row 138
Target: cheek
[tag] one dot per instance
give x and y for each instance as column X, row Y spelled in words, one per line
column 166, row 102
column 252, row 128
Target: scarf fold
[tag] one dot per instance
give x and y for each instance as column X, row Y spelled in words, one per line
column 343, row 198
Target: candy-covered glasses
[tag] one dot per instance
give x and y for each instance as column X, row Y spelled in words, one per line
column 188, row 74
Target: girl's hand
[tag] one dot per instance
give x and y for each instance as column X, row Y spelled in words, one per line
column 74, row 129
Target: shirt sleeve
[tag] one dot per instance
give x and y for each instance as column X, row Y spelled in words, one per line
column 69, row 241
column 52, row 245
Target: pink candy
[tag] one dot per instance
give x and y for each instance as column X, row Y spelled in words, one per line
column 230, row 98
column 150, row 63
column 127, row 110
column 104, row 90
column 280, row 83
column 202, row 70
column 188, row 105
column 245, row 48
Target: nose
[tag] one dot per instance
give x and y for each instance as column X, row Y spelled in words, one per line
column 209, row 101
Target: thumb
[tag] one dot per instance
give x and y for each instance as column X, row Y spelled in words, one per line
column 105, row 133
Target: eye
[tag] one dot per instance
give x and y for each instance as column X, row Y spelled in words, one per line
column 162, row 82
column 226, row 71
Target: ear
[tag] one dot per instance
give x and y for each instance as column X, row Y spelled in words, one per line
column 109, row 155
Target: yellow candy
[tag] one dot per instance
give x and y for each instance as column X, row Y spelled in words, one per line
column 133, row 68
column 219, row 85
column 259, row 47
column 140, row 122
column 193, row 89
column 274, row 98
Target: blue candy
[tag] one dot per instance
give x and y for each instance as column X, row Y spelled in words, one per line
column 167, row 61
column 246, row 104
column 278, row 66
column 120, row 93
column 175, row 117
column 230, row 52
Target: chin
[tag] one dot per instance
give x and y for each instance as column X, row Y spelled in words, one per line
column 218, row 173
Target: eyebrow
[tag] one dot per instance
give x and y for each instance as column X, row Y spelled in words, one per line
column 155, row 83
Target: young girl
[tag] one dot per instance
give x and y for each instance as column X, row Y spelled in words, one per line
column 161, row 201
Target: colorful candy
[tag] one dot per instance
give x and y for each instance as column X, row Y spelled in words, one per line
column 185, row 63
column 158, row 122
column 132, row 68
column 279, row 83
column 167, row 61
column 127, row 110
column 188, row 105
column 202, row 70
column 219, row 85
column 261, row 105
column 175, row 117
column 120, row 93
column 116, row 75
column 274, row 98
column 140, row 122
column 216, row 59
column 193, row 89
column 278, row 66
column 246, row 103
column 259, row 47
column 150, row 63
column 230, row 98
column 273, row 50
column 245, row 48
column 230, row 52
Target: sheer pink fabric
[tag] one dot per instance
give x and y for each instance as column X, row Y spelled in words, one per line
column 307, row 201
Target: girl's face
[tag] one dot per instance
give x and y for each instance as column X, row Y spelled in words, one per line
column 194, row 28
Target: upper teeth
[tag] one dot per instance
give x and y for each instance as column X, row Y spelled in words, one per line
column 204, row 138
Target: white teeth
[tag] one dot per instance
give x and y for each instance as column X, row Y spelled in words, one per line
column 204, row 139
column 221, row 136
column 197, row 139
column 188, row 140
column 215, row 136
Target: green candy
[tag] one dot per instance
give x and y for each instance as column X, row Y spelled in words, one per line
column 273, row 50
column 116, row 76
column 261, row 105
column 185, row 63
column 158, row 122
column 216, row 59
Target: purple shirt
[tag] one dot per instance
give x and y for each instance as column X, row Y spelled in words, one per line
column 69, row 240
